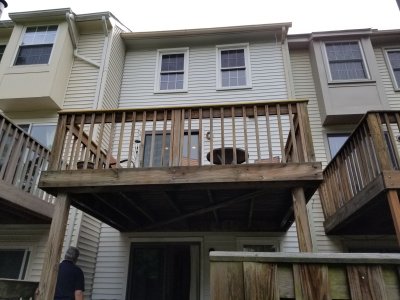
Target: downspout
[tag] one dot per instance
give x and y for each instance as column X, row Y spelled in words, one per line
column 73, row 33
column 103, row 69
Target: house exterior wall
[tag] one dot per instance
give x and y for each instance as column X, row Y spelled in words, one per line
column 83, row 80
column 267, row 74
column 346, row 101
column 32, row 237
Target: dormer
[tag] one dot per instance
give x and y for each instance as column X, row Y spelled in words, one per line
column 36, row 61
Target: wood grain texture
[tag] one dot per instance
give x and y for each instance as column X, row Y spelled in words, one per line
column 302, row 222
column 366, row 283
column 260, row 281
column 311, row 282
column 226, row 281
column 55, row 240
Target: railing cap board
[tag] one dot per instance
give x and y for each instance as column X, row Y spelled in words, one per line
column 323, row 258
column 200, row 105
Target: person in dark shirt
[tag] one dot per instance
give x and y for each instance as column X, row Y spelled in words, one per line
column 70, row 281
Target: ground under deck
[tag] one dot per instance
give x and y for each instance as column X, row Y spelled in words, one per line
column 192, row 198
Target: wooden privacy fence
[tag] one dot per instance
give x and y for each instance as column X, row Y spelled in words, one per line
column 22, row 159
column 184, row 136
column 307, row 276
column 369, row 151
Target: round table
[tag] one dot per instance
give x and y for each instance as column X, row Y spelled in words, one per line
column 217, row 156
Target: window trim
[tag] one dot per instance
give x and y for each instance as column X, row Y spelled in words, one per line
column 328, row 66
column 219, row 49
column 25, row 266
column 160, row 53
column 14, row 61
column 396, row 85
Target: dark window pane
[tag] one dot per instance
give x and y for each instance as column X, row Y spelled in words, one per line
column 2, row 48
column 157, row 151
column 172, row 62
column 232, row 58
column 39, row 35
column 31, row 55
column 11, row 263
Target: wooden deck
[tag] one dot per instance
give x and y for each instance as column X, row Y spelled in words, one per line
column 150, row 169
column 360, row 190
column 21, row 160
column 311, row 276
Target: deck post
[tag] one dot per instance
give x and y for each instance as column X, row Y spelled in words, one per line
column 302, row 222
column 394, row 205
column 54, row 245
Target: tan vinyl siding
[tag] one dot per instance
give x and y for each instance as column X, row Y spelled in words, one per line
column 82, row 85
column 113, row 71
column 267, row 73
column 305, row 88
column 388, row 85
column 33, row 237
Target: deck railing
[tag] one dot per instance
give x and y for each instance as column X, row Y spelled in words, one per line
column 17, row 289
column 370, row 150
column 22, row 159
column 311, row 276
column 183, row 136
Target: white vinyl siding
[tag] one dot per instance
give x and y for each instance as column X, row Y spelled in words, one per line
column 30, row 236
column 82, row 85
column 114, row 69
column 88, row 243
column 392, row 96
column 268, row 78
column 305, row 89
column 113, row 256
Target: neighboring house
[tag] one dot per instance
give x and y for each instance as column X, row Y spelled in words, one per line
column 151, row 113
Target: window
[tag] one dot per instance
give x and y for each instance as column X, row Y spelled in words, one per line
column 36, row 45
column 346, row 61
column 394, row 61
column 2, row 49
column 13, row 263
column 233, row 67
column 336, row 141
column 161, row 158
column 43, row 133
column 172, row 70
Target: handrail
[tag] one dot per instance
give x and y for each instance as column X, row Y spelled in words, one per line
column 370, row 150
column 190, row 136
column 22, row 158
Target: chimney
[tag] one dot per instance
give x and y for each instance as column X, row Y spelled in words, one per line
column 3, row 5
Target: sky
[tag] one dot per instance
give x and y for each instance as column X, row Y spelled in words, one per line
column 305, row 15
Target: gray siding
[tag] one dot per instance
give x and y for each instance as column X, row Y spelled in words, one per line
column 113, row 71
column 82, row 85
column 267, row 72
column 392, row 96
column 305, row 88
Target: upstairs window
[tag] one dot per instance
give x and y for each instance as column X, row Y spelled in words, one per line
column 233, row 67
column 336, row 141
column 394, row 61
column 346, row 61
column 36, row 45
column 2, row 49
column 172, row 70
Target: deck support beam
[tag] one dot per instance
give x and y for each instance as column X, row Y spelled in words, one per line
column 302, row 222
column 394, row 205
column 48, row 279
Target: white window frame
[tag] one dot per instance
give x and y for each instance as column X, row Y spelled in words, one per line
column 328, row 66
column 396, row 85
column 242, row 46
column 26, row 260
column 14, row 62
column 160, row 53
